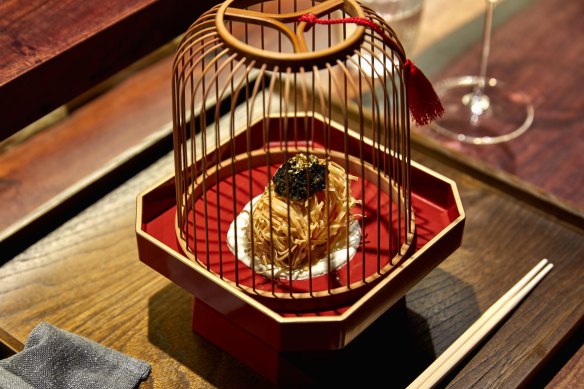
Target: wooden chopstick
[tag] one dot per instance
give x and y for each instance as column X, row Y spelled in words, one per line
column 479, row 329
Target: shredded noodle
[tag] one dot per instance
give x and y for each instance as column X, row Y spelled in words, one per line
column 307, row 231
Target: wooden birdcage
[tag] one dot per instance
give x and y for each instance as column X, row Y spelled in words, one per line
column 288, row 79
column 295, row 207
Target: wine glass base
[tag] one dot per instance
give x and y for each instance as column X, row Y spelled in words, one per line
column 494, row 116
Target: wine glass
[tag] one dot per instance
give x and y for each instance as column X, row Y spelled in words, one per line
column 479, row 109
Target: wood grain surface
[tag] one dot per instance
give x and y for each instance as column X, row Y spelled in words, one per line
column 86, row 277
column 52, row 51
column 56, row 164
column 572, row 374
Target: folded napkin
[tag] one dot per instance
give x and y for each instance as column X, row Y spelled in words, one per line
column 54, row 358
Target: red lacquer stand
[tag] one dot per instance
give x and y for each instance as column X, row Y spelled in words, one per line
column 269, row 341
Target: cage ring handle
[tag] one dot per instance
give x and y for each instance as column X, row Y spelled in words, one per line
column 277, row 21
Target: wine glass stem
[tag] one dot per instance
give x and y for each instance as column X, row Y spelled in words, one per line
column 486, row 45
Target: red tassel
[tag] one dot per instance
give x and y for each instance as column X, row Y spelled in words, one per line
column 423, row 102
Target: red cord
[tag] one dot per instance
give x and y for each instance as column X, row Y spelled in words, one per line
column 311, row 19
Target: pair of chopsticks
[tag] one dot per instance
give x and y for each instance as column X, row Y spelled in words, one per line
column 479, row 329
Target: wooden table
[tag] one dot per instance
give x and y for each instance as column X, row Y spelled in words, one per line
column 85, row 276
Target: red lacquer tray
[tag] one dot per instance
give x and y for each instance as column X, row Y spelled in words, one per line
column 379, row 220
column 254, row 333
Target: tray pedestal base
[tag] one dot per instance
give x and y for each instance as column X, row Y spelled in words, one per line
column 290, row 368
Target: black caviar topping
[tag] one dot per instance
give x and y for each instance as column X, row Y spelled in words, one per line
column 303, row 173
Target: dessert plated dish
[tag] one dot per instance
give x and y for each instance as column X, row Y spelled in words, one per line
column 303, row 220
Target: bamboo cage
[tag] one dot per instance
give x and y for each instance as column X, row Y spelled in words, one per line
column 298, row 82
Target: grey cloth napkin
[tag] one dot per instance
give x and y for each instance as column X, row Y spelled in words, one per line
column 54, row 358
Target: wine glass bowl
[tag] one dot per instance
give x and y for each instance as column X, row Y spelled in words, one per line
column 482, row 110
